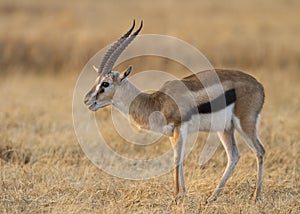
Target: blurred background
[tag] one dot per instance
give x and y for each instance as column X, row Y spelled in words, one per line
column 45, row 44
column 60, row 36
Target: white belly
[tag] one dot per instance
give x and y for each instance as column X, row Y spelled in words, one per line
column 214, row 122
column 217, row 121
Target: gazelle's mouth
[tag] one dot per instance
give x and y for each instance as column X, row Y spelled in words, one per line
column 96, row 106
column 93, row 107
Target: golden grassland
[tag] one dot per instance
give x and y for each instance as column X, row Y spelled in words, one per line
column 44, row 46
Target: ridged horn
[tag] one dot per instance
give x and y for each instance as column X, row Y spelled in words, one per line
column 115, row 55
column 114, row 47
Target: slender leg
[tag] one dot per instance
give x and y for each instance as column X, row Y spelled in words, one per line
column 251, row 138
column 228, row 141
column 260, row 169
column 176, row 168
column 183, row 137
column 178, row 143
column 181, row 179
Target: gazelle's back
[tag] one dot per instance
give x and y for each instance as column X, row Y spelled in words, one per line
column 240, row 81
column 249, row 92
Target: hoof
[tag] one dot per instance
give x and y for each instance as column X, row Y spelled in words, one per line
column 210, row 199
column 257, row 199
column 179, row 197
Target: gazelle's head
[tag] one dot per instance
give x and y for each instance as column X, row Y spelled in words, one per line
column 108, row 81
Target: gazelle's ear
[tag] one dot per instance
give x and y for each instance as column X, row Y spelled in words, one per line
column 126, row 73
column 95, row 68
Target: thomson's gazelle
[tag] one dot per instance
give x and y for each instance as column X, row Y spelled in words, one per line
column 242, row 96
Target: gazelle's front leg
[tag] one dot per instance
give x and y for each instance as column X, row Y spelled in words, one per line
column 178, row 143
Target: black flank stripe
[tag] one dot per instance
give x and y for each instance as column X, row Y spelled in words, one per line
column 218, row 103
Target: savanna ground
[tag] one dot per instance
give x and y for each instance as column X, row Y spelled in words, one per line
column 43, row 47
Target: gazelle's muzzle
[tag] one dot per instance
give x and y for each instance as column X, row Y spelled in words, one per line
column 94, row 104
column 87, row 101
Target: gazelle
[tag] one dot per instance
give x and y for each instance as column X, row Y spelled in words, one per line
column 242, row 95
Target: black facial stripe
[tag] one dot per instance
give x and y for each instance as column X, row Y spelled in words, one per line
column 102, row 88
column 100, row 91
column 218, row 103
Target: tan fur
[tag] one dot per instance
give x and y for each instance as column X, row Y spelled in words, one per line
column 250, row 97
column 176, row 101
column 173, row 107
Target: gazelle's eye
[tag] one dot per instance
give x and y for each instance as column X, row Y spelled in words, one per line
column 105, row 84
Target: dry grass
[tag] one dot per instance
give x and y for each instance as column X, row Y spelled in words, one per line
column 43, row 47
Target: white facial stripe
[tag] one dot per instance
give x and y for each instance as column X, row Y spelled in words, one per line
column 98, row 87
column 96, row 91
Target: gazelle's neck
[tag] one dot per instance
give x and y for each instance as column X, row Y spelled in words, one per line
column 142, row 109
column 124, row 95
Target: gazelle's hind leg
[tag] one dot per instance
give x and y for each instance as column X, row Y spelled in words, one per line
column 228, row 141
column 178, row 143
column 247, row 127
